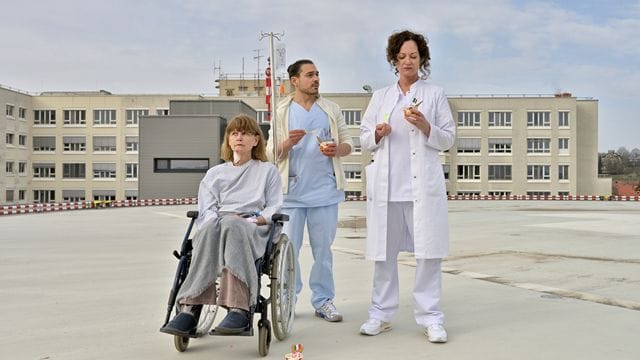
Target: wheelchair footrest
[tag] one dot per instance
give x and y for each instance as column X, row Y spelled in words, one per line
column 248, row 332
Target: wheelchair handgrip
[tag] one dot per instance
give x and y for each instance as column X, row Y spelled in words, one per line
column 280, row 217
column 192, row 214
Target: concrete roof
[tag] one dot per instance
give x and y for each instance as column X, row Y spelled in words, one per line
column 526, row 280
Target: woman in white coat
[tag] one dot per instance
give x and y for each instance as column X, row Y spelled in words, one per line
column 406, row 125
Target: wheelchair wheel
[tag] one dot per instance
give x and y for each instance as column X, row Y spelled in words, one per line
column 283, row 284
column 264, row 337
column 207, row 317
column 180, row 342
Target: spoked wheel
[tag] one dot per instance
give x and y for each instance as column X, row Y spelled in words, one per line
column 264, row 337
column 283, row 284
column 205, row 321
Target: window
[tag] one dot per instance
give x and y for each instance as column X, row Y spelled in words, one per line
column 22, row 114
column 104, row 117
column 44, row 117
column 8, row 167
column 563, row 119
column 180, row 165
column 469, row 118
column 538, row 119
column 44, row 171
column 563, row 146
column 75, row 117
column 563, row 193
column 446, row 168
column 357, row 148
column 499, row 172
column 73, row 195
column 9, row 139
column 9, row 196
column 44, row 196
column 133, row 116
column 74, row 143
column 500, row 146
column 73, row 171
column 131, row 194
column 350, row 194
column 352, row 172
column 9, row 110
column 539, row 193
column 468, row 172
column 499, row 193
column 262, row 116
column 104, row 170
column 538, row 172
column 22, row 140
column 131, row 143
column 468, row 193
column 499, row 119
column 162, row 112
column 563, row 172
column 22, row 195
column 131, row 170
column 104, row 143
column 22, row 167
column 469, row 145
column 104, row 195
column 44, row 143
column 538, row 146
column 352, row 117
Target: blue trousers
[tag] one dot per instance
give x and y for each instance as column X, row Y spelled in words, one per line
column 321, row 224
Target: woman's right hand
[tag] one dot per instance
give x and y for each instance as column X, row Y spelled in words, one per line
column 382, row 130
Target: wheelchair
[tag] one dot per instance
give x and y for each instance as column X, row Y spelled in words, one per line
column 277, row 263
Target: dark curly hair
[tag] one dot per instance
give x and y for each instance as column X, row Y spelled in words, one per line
column 395, row 43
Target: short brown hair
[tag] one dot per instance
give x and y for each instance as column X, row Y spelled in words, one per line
column 395, row 43
column 248, row 125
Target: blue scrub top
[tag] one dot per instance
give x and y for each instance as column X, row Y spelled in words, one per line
column 312, row 182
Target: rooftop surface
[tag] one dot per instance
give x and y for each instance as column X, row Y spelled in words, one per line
column 525, row 280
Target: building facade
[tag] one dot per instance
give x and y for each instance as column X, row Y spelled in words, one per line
column 82, row 146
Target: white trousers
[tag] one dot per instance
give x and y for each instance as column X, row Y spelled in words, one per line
column 427, row 286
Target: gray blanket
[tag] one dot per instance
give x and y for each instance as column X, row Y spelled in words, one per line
column 225, row 242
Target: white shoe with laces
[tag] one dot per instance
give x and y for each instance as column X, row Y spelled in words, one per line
column 329, row 312
column 374, row 327
column 436, row 333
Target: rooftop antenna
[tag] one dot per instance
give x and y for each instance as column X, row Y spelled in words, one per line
column 257, row 57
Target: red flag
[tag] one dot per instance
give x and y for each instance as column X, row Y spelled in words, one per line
column 268, row 91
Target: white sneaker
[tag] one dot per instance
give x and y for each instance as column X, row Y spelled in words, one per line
column 374, row 327
column 436, row 333
column 328, row 312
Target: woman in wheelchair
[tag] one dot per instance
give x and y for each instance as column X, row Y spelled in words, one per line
column 236, row 200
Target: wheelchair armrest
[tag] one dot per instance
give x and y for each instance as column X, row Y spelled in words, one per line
column 192, row 214
column 280, row 217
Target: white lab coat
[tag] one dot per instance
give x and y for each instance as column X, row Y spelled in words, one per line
column 430, row 217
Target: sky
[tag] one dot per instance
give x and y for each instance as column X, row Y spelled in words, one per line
column 589, row 48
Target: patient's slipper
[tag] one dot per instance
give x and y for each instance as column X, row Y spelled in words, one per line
column 236, row 322
column 183, row 324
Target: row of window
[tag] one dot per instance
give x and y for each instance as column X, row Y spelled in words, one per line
column 71, row 195
column 503, row 145
column 495, row 118
column 78, row 143
column 503, row 172
column 101, row 117
column 71, row 170
column 503, row 119
column 10, row 112
column 507, row 193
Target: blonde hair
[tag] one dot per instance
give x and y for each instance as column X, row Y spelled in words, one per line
column 248, row 125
